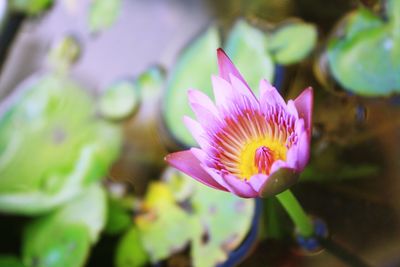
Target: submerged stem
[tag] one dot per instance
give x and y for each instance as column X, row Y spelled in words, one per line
column 292, row 206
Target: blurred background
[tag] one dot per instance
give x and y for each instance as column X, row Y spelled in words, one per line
column 92, row 95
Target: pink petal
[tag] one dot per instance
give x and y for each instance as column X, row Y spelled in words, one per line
column 197, row 131
column 239, row 187
column 206, row 118
column 223, row 91
column 242, row 89
column 304, row 105
column 257, row 181
column 292, row 160
column 270, row 96
column 186, row 162
column 291, row 108
column 278, row 165
column 303, row 151
column 226, row 67
column 233, row 184
column 198, row 97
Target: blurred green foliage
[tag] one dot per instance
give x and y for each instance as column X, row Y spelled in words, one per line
column 119, row 100
column 10, row 261
column 52, row 146
column 103, row 14
column 63, row 237
column 179, row 211
column 364, row 59
column 31, row 7
column 130, row 250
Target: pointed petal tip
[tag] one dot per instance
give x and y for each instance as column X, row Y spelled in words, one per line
column 304, row 104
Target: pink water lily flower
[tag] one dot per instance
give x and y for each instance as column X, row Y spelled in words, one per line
column 248, row 146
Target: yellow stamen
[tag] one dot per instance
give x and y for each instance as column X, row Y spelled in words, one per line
column 246, row 165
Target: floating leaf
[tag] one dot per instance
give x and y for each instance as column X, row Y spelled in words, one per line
column 64, row 53
column 165, row 228
column 292, row 42
column 225, row 221
column 118, row 217
column 103, row 14
column 193, row 69
column 365, row 60
column 10, row 261
column 130, row 251
column 63, row 237
column 119, row 100
column 247, row 46
column 52, row 146
column 214, row 223
column 31, row 7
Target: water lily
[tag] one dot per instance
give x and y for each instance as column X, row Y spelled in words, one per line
column 248, row 146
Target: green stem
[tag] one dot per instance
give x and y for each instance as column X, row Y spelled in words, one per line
column 292, row 206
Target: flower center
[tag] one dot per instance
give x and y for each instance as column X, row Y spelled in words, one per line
column 263, row 159
column 258, row 156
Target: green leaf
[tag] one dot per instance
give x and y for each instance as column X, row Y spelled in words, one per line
column 64, row 53
column 31, row 7
column 118, row 218
column 165, row 228
column 248, row 49
column 63, row 237
column 119, row 100
column 10, row 261
column 365, row 60
column 193, row 69
column 67, row 149
column 103, row 14
column 292, row 42
column 214, row 222
column 224, row 221
column 130, row 251
column 56, row 245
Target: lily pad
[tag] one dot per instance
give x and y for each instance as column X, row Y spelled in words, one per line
column 180, row 211
column 247, row 46
column 165, row 228
column 130, row 250
column 10, row 261
column 192, row 70
column 365, row 60
column 103, row 14
column 63, row 237
column 225, row 221
column 51, row 145
column 292, row 42
column 31, row 7
column 119, row 100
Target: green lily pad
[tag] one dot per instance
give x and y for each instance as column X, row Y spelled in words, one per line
column 192, row 70
column 51, row 145
column 165, row 228
column 130, row 251
column 63, row 237
column 214, row 223
column 365, row 60
column 31, row 7
column 119, row 100
column 10, row 261
column 103, row 14
column 292, row 42
column 118, row 218
column 64, row 53
column 247, row 47
column 224, row 219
